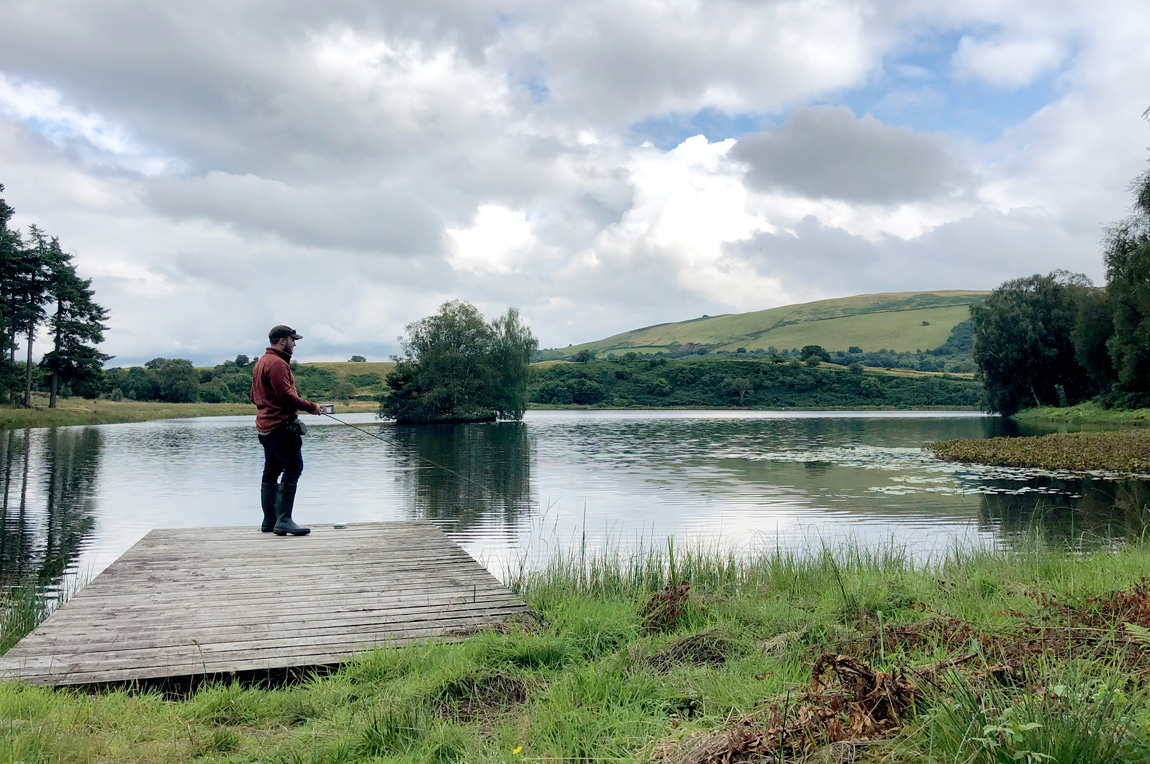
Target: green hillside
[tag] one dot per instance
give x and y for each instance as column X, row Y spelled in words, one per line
column 900, row 321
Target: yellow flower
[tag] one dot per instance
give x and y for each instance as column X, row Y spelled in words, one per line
column 516, row 751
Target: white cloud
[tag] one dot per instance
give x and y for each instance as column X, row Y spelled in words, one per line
column 497, row 242
column 1007, row 63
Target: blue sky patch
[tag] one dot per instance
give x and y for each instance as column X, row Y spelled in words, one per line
column 915, row 89
column 669, row 131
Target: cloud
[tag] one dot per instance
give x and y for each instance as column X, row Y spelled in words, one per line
column 975, row 252
column 382, row 157
column 89, row 136
column 826, row 153
column 1006, row 63
column 618, row 62
column 372, row 217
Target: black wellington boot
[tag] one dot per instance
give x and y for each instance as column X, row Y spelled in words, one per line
column 285, row 500
column 268, row 502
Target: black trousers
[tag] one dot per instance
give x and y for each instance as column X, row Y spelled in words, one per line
column 283, row 455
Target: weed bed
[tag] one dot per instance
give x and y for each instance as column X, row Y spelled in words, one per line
column 1124, row 451
column 1032, row 654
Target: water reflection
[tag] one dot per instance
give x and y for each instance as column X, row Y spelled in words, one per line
column 78, row 497
column 465, row 476
column 47, row 507
column 1068, row 510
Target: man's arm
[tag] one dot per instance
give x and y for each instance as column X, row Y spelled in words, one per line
column 280, row 381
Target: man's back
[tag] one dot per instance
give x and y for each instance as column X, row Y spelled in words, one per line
column 274, row 393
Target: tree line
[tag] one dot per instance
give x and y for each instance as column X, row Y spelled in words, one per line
column 41, row 290
column 176, row 380
column 1056, row 339
column 633, row 380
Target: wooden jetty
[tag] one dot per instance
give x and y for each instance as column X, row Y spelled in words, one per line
column 203, row 601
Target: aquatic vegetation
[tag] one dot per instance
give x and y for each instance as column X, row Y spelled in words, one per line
column 1125, row 452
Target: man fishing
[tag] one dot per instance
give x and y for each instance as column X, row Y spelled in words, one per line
column 280, row 431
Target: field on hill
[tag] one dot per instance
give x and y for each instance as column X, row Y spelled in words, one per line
column 902, row 322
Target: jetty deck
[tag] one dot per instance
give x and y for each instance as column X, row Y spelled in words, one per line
column 204, row 601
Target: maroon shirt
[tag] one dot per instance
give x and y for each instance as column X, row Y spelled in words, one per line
column 274, row 393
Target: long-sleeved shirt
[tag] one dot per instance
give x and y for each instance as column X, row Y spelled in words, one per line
column 274, row 393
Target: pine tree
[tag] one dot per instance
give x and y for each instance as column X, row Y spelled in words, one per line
column 76, row 324
column 31, row 294
column 11, row 257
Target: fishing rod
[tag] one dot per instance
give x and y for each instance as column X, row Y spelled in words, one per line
column 433, row 463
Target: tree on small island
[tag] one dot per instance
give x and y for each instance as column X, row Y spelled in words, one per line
column 457, row 367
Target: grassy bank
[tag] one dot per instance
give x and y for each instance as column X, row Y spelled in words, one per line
column 1026, row 655
column 1084, row 413
column 73, row 411
column 1125, row 451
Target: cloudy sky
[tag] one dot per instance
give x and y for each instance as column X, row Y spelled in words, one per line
column 345, row 167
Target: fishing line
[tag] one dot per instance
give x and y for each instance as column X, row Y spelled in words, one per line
column 487, row 488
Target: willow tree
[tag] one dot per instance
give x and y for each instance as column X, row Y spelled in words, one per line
column 1024, row 343
column 457, row 367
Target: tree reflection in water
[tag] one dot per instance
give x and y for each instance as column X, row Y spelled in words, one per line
column 493, row 466
column 1099, row 511
column 47, row 506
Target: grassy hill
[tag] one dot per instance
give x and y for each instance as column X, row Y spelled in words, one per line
column 320, row 378
column 900, row 321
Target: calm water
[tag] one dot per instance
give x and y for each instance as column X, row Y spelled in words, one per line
column 75, row 498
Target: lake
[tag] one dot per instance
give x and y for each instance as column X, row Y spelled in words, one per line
column 75, row 498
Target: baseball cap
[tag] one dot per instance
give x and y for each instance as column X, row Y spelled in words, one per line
column 281, row 331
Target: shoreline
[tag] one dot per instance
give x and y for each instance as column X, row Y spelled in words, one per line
column 1084, row 413
column 78, row 411
column 689, row 655
column 73, row 411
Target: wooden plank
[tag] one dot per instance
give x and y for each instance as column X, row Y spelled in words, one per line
column 98, row 640
column 286, row 589
column 205, row 600
column 134, row 622
column 303, row 661
column 143, row 617
column 163, row 654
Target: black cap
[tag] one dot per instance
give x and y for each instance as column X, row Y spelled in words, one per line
column 279, row 332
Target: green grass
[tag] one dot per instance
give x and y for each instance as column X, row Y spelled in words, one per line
column 872, row 322
column 592, row 682
column 78, row 411
column 1084, row 413
column 344, row 369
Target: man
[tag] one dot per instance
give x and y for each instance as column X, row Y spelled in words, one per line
column 275, row 396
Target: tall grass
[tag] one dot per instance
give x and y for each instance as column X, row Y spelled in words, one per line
column 1077, row 717
column 25, row 605
column 22, row 608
